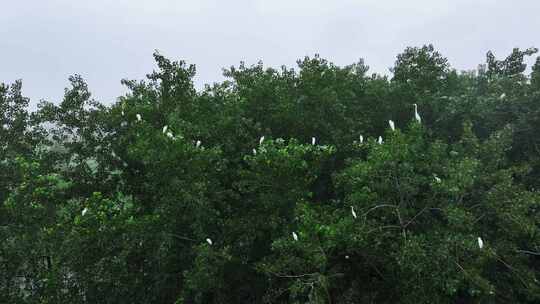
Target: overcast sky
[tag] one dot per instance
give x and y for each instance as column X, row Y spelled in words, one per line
column 42, row 42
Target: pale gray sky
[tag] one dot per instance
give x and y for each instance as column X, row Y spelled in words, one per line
column 45, row 41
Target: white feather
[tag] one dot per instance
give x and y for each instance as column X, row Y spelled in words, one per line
column 416, row 115
column 480, row 243
column 392, row 126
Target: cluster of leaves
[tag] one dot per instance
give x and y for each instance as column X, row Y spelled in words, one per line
column 271, row 187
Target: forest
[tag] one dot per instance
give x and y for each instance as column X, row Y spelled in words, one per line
column 312, row 184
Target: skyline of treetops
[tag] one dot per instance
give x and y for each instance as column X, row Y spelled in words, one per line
column 313, row 184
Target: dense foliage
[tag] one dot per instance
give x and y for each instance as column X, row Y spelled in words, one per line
column 278, row 186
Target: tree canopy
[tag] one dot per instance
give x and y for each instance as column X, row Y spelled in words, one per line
column 285, row 185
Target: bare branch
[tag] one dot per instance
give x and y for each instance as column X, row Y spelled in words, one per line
column 528, row 252
column 379, row 206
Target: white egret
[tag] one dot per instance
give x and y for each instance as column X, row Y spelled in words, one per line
column 380, row 141
column 209, row 241
column 295, row 236
column 437, row 179
column 346, row 257
column 254, row 152
column 313, row 140
column 353, row 212
column 416, row 115
column 122, row 112
column 480, row 243
column 170, row 135
column 392, row 126
column 198, row 144
column 84, row 211
column 164, row 129
column 503, row 95
column 139, row 117
column 261, row 140
column 361, row 139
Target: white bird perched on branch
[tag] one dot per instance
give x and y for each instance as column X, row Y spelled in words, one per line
column 122, row 112
column 261, row 140
column 380, row 141
column 84, row 211
column 480, row 243
column 209, row 241
column 437, row 179
column 254, row 151
column 503, row 95
column 313, row 140
column 361, row 139
column 170, row 135
column 353, row 212
column 295, row 236
column 164, row 129
column 139, row 117
column 392, row 126
column 416, row 115
column 198, row 144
